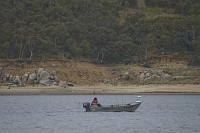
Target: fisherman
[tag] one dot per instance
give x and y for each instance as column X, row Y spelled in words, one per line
column 95, row 102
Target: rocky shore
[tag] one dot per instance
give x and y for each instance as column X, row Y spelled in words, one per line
column 67, row 77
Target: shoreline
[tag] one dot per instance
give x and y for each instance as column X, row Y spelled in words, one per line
column 186, row 89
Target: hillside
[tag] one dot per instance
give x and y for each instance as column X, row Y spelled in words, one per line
column 109, row 31
column 88, row 74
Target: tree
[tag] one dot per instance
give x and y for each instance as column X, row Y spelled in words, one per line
column 126, row 47
column 85, row 49
column 20, row 40
column 186, row 7
column 149, row 45
column 1, row 75
column 195, row 9
column 6, row 46
column 32, row 44
column 99, row 39
column 184, row 40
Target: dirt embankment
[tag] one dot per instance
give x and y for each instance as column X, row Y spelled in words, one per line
column 88, row 74
column 79, row 73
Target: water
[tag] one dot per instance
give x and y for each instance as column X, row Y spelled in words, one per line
column 64, row 114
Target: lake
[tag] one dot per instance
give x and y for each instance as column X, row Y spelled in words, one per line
column 65, row 114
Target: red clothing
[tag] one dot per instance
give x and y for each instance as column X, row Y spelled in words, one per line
column 95, row 102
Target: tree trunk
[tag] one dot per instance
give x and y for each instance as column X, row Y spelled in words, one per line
column 6, row 53
column 31, row 55
column 193, row 34
column 145, row 57
column 31, row 51
column 130, row 57
column 0, row 81
column 102, row 56
column 98, row 55
column 1, row 73
column 20, row 51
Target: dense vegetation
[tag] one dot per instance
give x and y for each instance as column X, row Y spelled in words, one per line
column 98, row 30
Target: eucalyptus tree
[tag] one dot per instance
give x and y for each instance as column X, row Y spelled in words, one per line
column 1, row 74
column 150, row 46
column 5, row 46
column 20, row 40
column 195, row 9
column 99, row 39
column 33, row 40
column 5, row 39
column 126, row 47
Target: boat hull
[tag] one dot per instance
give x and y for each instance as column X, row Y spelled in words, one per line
column 114, row 108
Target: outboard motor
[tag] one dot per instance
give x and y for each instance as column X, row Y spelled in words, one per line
column 86, row 106
column 139, row 100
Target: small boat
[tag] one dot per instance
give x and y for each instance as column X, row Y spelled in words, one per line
column 130, row 107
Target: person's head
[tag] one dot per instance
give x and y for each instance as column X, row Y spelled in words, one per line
column 95, row 98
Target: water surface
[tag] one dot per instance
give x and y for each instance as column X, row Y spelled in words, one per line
column 65, row 114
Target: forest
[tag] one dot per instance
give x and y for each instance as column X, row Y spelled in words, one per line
column 99, row 31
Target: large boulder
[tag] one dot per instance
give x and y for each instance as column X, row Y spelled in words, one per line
column 44, row 75
column 32, row 78
column 39, row 71
column 17, row 80
column 11, row 78
column 5, row 77
column 25, row 77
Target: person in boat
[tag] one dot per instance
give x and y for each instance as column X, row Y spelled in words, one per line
column 95, row 102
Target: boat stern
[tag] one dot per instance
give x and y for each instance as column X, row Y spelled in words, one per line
column 86, row 106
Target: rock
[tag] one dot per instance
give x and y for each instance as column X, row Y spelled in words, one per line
column 44, row 75
column 39, row 71
column 145, row 71
column 25, row 77
column 11, row 78
column 147, row 75
column 63, row 84
column 154, row 76
column 32, row 78
column 166, row 75
column 4, row 77
column 53, row 65
column 16, row 80
column 142, row 76
column 147, row 78
column 126, row 73
column 70, row 84
column 105, row 80
column 55, row 83
column 45, row 82
column 56, row 79
column 53, row 73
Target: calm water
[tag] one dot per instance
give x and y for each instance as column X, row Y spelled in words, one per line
column 64, row 114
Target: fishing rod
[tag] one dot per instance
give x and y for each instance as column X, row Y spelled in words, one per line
column 117, row 99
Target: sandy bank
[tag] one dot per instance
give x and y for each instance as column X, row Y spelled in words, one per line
column 102, row 90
